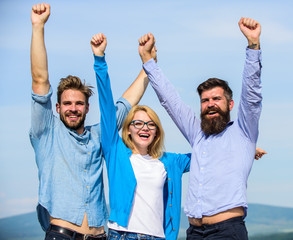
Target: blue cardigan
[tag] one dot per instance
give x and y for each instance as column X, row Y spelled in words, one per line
column 122, row 182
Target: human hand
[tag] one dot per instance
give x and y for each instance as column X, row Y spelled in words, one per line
column 147, row 47
column 154, row 53
column 40, row 13
column 251, row 30
column 259, row 153
column 99, row 44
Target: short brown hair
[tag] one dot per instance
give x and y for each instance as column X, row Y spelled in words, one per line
column 73, row 82
column 216, row 82
column 156, row 148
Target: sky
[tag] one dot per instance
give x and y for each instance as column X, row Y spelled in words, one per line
column 196, row 40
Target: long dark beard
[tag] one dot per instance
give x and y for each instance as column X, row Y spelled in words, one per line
column 214, row 125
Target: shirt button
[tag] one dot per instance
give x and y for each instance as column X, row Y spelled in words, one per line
column 170, row 205
column 169, row 179
column 171, row 218
column 85, row 204
column 204, row 152
column 173, row 229
column 171, row 192
column 87, row 187
column 198, row 201
column 89, row 153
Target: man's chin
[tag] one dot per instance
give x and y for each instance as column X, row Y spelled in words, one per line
column 214, row 125
column 73, row 125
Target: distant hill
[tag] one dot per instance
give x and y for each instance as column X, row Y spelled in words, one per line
column 263, row 219
column 263, row 222
column 277, row 236
column 21, row 227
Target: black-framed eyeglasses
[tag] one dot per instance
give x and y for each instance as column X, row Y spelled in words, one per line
column 139, row 124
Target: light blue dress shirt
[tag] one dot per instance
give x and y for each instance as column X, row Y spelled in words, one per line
column 70, row 166
column 122, row 181
column 220, row 164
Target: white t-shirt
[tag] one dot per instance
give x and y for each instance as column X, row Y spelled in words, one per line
column 147, row 213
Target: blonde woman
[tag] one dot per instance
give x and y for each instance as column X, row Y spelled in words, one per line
column 144, row 181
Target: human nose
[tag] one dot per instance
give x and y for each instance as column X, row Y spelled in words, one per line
column 73, row 108
column 211, row 103
column 145, row 126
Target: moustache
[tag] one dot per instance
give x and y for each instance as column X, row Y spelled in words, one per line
column 212, row 109
column 75, row 113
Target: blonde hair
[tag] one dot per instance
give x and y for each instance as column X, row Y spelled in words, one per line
column 156, row 148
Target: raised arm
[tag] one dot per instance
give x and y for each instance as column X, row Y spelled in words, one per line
column 251, row 97
column 39, row 66
column 109, row 130
column 136, row 90
column 182, row 115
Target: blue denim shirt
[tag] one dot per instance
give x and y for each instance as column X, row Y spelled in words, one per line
column 122, row 182
column 70, row 166
column 221, row 163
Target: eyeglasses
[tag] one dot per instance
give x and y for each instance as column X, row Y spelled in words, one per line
column 139, row 124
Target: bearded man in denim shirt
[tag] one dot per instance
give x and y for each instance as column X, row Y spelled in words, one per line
column 68, row 154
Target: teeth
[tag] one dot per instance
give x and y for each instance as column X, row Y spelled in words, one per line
column 144, row 135
column 212, row 112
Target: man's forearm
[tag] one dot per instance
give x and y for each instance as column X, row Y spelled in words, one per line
column 136, row 90
column 39, row 65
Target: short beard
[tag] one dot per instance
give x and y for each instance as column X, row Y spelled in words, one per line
column 214, row 125
column 75, row 126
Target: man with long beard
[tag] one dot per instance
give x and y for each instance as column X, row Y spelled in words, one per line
column 68, row 153
column 215, row 116
column 222, row 150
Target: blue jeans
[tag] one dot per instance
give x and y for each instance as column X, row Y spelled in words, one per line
column 231, row 229
column 121, row 235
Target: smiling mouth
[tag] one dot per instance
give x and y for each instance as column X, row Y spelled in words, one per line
column 144, row 135
column 73, row 117
column 212, row 112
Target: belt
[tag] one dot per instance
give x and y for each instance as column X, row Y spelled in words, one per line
column 76, row 235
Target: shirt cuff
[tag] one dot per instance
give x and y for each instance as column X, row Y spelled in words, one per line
column 124, row 102
column 99, row 60
column 150, row 65
column 253, row 54
column 42, row 98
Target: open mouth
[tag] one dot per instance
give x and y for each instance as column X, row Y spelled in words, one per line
column 144, row 135
column 212, row 113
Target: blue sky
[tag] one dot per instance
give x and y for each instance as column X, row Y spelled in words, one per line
column 195, row 40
